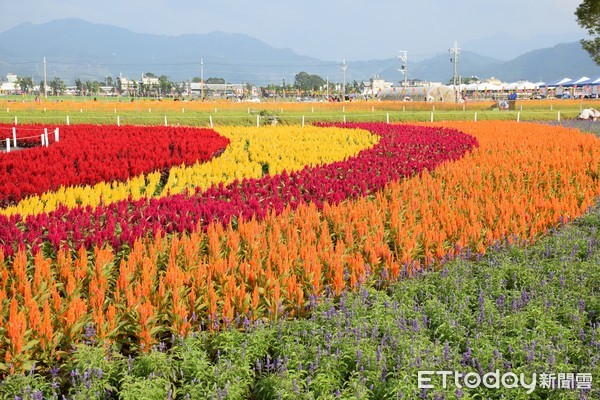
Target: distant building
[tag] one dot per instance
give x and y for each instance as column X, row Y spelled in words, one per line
column 127, row 86
column 146, row 80
column 217, row 89
column 10, row 86
column 377, row 86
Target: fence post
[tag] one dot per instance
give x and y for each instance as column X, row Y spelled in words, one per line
column 432, row 116
column 518, row 116
column 475, row 117
column 118, row 120
column 343, row 109
column 8, row 145
column 166, row 124
column 14, row 137
column 46, row 136
column 558, row 115
column 15, row 120
column 42, row 137
column 257, row 121
column 68, row 120
column 149, row 111
column 344, row 118
column 56, row 134
column 210, row 120
column 303, row 121
column 182, row 110
column 81, row 110
column 372, row 108
column 387, row 118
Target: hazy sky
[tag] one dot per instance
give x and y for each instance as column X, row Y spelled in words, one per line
column 326, row 29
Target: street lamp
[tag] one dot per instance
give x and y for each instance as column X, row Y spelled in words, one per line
column 344, row 67
column 404, row 58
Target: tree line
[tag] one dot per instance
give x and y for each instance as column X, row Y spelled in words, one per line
column 152, row 85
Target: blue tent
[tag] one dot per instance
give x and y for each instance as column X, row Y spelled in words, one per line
column 560, row 82
column 584, row 80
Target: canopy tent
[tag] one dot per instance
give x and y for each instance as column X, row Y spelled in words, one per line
column 471, row 87
column 462, row 87
column 584, row 80
column 490, row 87
column 521, row 85
column 540, row 84
column 560, row 82
column 482, row 87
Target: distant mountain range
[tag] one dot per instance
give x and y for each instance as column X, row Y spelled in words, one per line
column 74, row 48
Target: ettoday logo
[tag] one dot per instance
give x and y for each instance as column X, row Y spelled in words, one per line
column 471, row 380
column 509, row 380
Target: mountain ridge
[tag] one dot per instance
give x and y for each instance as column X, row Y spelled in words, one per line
column 75, row 48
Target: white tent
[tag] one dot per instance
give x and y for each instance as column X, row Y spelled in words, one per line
column 441, row 93
column 490, row 87
column 471, row 87
column 584, row 80
column 560, row 82
column 521, row 85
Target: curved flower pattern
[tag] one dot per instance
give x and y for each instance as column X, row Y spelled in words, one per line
column 402, row 151
column 89, row 154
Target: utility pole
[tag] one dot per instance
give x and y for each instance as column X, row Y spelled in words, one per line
column 344, row 67
column 201, row 79
column 455, row 50
column 404, row 58
column 45, row 84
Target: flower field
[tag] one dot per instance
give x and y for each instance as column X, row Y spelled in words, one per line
column 251, row 153
column 269, row 235
column 90, row 154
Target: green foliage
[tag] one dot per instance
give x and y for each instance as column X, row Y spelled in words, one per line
column 588, row 17
column 307, row 82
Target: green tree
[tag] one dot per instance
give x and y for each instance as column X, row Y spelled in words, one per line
column 305, row 81
column 25, row 83
column 588, row 17
column 165, row 85
column 79, row 88
column 57, row 86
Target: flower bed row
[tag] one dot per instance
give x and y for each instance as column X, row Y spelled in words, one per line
column 89, row 154
column 401, row 151
column 252, row 152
